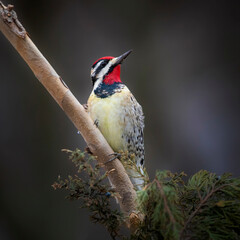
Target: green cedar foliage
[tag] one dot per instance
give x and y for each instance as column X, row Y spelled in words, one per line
column 90, row 187
column 206, row 206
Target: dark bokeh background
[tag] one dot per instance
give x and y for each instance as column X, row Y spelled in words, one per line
column 184, row 71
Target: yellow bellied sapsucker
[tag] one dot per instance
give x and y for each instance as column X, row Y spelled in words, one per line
column 116, row 112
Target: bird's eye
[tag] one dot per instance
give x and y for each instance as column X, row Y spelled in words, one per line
column 103, row 64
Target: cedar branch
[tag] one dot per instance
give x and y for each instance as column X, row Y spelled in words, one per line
column 172, row 219
column 17, row 36
column 201, row 204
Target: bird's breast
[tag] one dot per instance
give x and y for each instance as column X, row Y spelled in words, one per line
column 111, row 116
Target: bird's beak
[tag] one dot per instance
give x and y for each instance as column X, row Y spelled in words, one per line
column 118, row 60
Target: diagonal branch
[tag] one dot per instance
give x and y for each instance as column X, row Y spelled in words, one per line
column 17, row 36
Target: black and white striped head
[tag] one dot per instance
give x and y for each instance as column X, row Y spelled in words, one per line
column 107, row 70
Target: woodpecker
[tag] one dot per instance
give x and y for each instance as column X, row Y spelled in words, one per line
column 116, row 112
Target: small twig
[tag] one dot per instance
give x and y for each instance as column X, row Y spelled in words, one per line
column 165, row 201
column 199, row 195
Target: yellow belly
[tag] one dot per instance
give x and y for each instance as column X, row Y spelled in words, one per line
column 110, row 115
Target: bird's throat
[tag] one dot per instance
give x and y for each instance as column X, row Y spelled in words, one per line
column 110, row 79
column 112, row 76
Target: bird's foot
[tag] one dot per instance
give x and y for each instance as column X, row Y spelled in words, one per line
column 87, row 149
column 96, row 122
column 85, row 106
column 115, row 156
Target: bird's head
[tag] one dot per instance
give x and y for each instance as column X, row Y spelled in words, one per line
column 107, row 70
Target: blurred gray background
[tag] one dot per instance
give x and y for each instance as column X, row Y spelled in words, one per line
column 184, row 71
